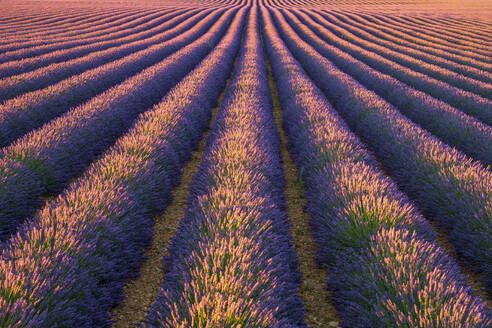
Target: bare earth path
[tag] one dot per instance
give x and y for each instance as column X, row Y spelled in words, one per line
column 142, row 291
column 320, row 311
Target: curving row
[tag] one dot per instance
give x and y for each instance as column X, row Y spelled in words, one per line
column 464, row 66
column 231, row 262
column 448, row 186
column 406, row 37
column 385, row 268
column 66, row 21
column 439, row 36
column 25, row 63
column 22, row 48
column 45, row 160
column 43, row 76
column 30, row 110
column 448, row 76
column 83, row 30
column 449, row 24
column 446, row 122
column 466, row 101
column 38, row 18
column 32, row 52
column 67, row 266
column 425, row 25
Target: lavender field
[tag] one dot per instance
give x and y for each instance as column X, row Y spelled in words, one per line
column 246, row 163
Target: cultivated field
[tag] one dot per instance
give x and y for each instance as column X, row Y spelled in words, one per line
column 246, row 163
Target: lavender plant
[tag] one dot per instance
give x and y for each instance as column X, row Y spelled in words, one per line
column 47, row 159
column 231, row 262
column 29, row 111
column 385, row 269
column 67, row 267
column 448, row 186
column 42, row 76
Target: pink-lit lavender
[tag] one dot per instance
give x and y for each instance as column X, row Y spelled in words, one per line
column 46, row 159
column 379, row 250
column 231, row 263
column 91, row 237
column 245, row 163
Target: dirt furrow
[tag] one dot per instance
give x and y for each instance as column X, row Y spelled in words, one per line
column 142, row 291
column 319, row 309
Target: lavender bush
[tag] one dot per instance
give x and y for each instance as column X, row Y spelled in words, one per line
column 67, row 267
column 59, row 58
column 448, row 186
column 47, row 159
column 231, row 262
column 29, row 111
column 385, row 269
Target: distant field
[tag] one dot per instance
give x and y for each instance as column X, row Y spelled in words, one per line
column 246, row 163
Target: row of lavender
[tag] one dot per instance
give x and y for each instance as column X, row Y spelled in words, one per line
column 69, row 20
column 21, row 20
column 446, row 122
column 469, row 102
column 448, row 186
column 467, row 36
column 113, row 46
column 97, row 63
column 30, row 110
column 451, row 49
column 32, row 28
column 83, row 33
column 401, row 62
column 440, row 39
column 45, row 160
column 385, row 267
column 231, row 262
column 434, row 26
column 415, row 45
column 348, row 25
column 67, row 267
